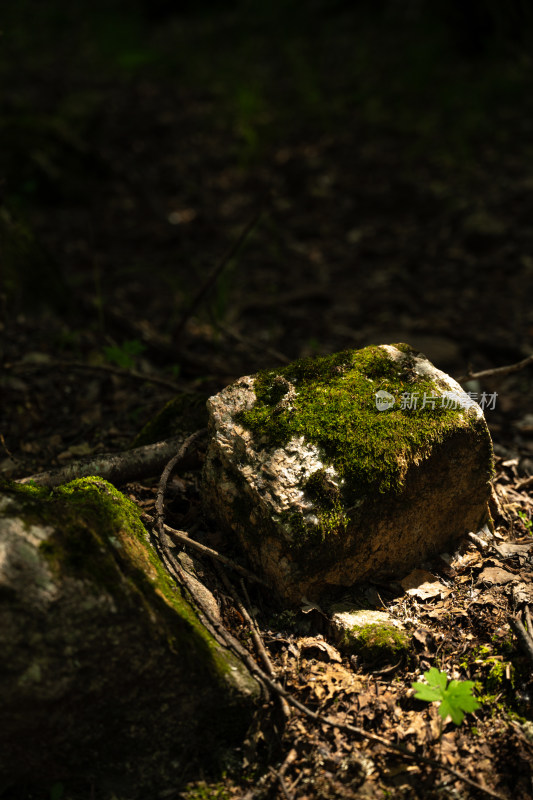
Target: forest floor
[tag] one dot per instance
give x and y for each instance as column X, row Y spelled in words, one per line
column 386, row 183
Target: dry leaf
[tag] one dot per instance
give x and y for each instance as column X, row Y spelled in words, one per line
column 495, row 576
column 316, row 647
column 423, row 585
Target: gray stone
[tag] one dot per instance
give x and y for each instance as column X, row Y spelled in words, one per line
column 322, row 488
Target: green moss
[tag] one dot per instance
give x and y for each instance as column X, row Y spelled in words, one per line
column 378, row 642
column 205, row 791
column 328, row 499
column 331, row 403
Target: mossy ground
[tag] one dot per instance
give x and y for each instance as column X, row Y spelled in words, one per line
column 331, row 402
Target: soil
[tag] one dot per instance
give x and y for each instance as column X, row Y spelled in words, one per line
column 381, row 172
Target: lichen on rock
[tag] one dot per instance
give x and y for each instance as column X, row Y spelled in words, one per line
column 346, row 467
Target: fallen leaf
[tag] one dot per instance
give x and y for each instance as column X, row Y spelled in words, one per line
column 423, row 585
column 495, row 576
column 523, row 593
column 316, row 647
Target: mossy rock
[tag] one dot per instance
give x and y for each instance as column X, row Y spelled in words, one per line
column 329, row 473
column 379, row 643
column 113, row 682
column 373, row 635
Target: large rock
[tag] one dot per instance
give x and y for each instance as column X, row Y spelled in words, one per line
column 109, row 684
column 324, row 488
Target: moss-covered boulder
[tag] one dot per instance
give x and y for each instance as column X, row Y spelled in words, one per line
column 109, row 684
column 346, row 467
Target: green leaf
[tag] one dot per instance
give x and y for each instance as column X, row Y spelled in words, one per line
column 455, row 697
column 124, row 355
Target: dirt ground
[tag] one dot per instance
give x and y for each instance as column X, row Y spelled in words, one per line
column 371, row 182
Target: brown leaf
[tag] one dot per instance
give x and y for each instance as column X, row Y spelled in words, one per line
column 495, row 575
column 316, row 647
column 423, row 585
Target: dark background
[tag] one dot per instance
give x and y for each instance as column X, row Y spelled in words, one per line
column 386, row 147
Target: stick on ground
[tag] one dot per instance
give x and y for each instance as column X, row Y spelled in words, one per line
column 117, row 468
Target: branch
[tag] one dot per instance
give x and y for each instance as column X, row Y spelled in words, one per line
column 524, row 637
column 486, row 373
column 231, row 642
column 183, row 538
column 117, row 468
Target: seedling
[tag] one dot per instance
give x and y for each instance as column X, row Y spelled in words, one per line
column 455, row 698
column 528, row 524
column 125, row 354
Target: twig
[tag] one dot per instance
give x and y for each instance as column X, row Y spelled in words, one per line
column 121, row 373
column 117, row 468
column 256, row 636
column 183, row 538
column 159, row 503
column 486, row 373
column 214, row 275
column 524, row 638
column 4, row 446
column 281, row 782
column 527, row 620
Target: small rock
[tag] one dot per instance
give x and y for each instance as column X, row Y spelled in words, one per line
column 371, row 634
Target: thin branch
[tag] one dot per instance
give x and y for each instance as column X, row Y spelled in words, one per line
column 274, row 686
column 498, row 371
column 183, row 538
column 256, row 636
column 524, row 637
column 159, row 503
column 214, row 275
column 281, row 782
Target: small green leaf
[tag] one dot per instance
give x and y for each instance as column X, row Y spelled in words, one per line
column 124, row 355
column 455, row 697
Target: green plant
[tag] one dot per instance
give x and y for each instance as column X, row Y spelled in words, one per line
column 528, row 524
column 124, row 355
column 455, row 698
